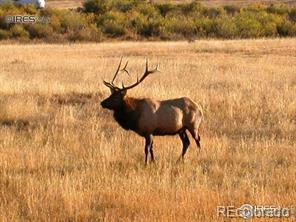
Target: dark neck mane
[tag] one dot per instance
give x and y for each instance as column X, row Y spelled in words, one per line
column 128, row 114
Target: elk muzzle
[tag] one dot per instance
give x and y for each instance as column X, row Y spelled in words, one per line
column 109, row 104
column 104, row 104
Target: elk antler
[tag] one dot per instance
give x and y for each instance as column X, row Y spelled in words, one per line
column 146, row 73
column 111, row 85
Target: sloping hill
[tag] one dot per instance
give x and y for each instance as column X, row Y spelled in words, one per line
column 77, row 3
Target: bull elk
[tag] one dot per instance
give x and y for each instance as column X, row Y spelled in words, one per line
column 148, row 117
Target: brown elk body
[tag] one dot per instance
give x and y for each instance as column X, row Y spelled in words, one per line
column 148, row 117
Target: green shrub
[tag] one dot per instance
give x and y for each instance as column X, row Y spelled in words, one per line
column 277, row 9
column 191, row 8
column 292, row 14
column 213, row 12
column 268, row 23
column 225, row 27
column 254, row 8
column 39, row 30
column 248, row 25
column 126, row 5
column 147, row 9
column 72, row 22
column 30, row 9
column 4, row 34
column 114, row 24
column 145, row 20
column 56, row 24
column 18, row 31
column 3, row 24
column 96, row 6
column 151, row 28
column 286, row 28
column 180, row 26
column 90, row 33
column 9, row 9
column 137, row 22
column 7, row 5
column 231, row 9
column 204, row 26
column 166, row 8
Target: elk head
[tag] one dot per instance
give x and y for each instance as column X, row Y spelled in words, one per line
column 116, row 99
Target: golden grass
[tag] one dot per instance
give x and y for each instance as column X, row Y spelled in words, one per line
column 63, row 158
column 64, row 3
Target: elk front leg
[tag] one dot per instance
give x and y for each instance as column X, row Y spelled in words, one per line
column 151, row 151
column 148, row 147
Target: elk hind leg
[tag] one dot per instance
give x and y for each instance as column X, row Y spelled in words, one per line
column 185, row 142
column 196, row 137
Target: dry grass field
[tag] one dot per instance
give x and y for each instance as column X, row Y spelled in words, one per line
column 64, row 3
column 63, row 158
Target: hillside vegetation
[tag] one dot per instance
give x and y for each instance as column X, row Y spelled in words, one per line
column 78, row 3
column 64, row 158
column 99, row 20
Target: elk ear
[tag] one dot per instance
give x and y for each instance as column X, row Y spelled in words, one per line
column 112, row 90
column 123, row 92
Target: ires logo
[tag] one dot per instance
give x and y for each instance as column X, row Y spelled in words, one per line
column 25, row 19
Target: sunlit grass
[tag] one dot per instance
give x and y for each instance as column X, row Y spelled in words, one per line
column 64, row 158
